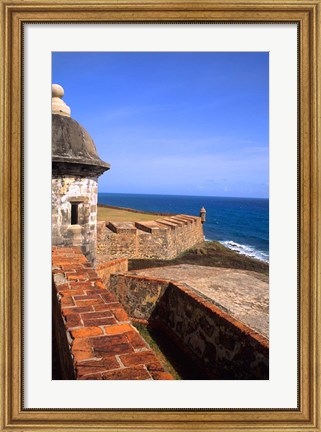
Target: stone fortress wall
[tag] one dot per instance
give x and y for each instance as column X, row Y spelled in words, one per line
column 83, row 192
column 164, row 238
column 221, row 345
column 95, row 338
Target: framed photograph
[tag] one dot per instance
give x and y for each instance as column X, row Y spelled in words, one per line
column 209, row 114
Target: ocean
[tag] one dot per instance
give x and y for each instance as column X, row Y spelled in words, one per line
column 241, row 224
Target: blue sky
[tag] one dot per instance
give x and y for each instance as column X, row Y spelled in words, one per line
column 173, row 123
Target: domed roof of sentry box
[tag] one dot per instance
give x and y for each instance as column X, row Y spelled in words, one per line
column 73, row 150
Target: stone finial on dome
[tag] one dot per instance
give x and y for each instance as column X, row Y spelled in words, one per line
column 57, row 104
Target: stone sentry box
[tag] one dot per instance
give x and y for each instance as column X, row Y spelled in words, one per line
column 76, row 167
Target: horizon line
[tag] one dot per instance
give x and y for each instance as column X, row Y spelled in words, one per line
column 166, row 194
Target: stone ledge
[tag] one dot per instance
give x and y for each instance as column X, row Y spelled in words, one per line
column 122, row 227
column 97, row 328
column 149, row 227
column 243, row 295
column 225, row 347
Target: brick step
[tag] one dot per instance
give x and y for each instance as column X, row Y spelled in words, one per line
column 182, row 221
column 122, row 227
column 150, row 226
column 176, row 222
column 103, row 343
column 168, row 223
column 188, row 217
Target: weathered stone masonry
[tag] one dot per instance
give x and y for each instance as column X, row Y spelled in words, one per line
column 221, row 345
column 95, row 338
column 163, row 238
column 106, row 268
column 82, row 192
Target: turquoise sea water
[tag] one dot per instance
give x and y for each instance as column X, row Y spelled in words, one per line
column 242, row 224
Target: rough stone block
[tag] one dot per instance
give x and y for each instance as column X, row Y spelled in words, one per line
column 94, row 366
column 118, row 329
column 86, row 331
column 138, row 358
column 134, row 373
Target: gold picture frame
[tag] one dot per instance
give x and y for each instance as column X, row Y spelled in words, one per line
column 307, row 15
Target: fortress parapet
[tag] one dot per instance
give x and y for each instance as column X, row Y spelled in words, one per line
column 164, row 238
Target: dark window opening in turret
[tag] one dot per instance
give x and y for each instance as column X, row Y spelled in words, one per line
column 74, row 214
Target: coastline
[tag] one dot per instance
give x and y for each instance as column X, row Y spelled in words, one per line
column 208, row 253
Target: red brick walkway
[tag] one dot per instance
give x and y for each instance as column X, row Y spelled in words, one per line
column 103, row 342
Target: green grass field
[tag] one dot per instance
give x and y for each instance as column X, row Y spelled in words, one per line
column 172, row 358
column 118, row 215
